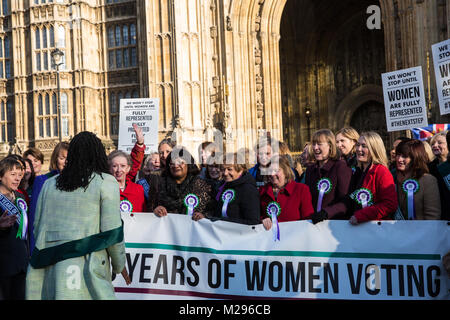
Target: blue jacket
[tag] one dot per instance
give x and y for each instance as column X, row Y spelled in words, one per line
column 37, row 186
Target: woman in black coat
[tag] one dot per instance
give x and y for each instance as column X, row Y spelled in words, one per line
column 14, row 248
column 238, row 198
column 178, row 185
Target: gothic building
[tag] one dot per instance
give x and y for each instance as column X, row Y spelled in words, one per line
column 238, row 67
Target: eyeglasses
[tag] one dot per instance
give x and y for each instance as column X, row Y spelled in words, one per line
column 177, row 163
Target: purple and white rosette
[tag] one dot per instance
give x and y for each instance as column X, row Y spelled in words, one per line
column 126, row 206
column 323, row 186
column 23, row 224
column 273, row 211
column 227, row 197
column 411, row 186
column 191, row 202
column 364, row 197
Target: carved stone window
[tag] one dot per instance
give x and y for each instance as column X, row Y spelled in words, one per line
column 44, row 43
column 122, row 46
column 4, row 8
column 47, row 115
column 6, row 121
column 5, row 57
column 47, row 1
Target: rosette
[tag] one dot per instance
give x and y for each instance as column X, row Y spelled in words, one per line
column 273, row 211
column 364, row 197
column 324, row 186
column 411, row 186
column 23, row 220
column 126, row 206
column 191, row 202
column 227, row 197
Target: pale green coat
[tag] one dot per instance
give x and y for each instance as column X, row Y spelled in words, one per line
column 66, row 216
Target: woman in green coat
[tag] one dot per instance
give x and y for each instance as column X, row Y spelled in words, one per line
column 78, row 229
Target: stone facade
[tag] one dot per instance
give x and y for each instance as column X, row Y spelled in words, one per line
column 239, row 67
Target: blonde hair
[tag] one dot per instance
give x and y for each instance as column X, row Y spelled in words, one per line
column 376, row 147
column 428, row 151
column 284, row 151
column 283, row 164
column 329, row 137
column 439, row 134
column 350, row 134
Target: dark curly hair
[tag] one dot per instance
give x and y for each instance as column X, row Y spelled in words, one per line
column 85, row 156
column 182, row 153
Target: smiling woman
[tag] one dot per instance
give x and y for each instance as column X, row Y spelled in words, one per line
column 238, row 198
column 372, row 193
column 328, row 178
column 180, row 184
column 124, row 168
column 412, row 166
column 131, row 193
column 294, row 198
column 13, row 247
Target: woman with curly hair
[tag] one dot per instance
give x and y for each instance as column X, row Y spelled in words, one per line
column 78, row 228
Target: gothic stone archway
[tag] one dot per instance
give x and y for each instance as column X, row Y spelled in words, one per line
column 330, row 61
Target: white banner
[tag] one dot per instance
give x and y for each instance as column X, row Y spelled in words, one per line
column 404, row 99
column 175, row 257
column 441, row 61
column 145, row 113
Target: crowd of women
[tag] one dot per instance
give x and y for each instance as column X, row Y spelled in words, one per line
column 345, row 175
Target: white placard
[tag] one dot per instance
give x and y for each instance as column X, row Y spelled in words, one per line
column 145, row 113
column 404, row 99
column 441, row 60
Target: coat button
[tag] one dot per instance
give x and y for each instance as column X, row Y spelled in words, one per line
column 103, row 262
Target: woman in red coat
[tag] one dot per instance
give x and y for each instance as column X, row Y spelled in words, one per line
column 124, row 168
column 372, row 193
column 293, row 198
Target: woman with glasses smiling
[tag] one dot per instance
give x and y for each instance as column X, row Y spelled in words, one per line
column 180, row 189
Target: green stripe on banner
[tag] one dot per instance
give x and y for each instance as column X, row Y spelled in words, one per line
column 322, row 254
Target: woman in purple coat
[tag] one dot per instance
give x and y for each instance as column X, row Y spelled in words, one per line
column 328, row 178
